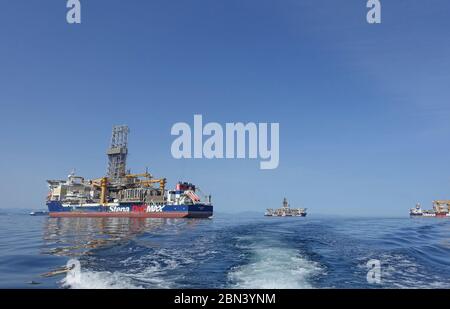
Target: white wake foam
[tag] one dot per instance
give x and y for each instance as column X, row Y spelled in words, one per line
column 156, row 270
column 274, row 267
column 85, row 279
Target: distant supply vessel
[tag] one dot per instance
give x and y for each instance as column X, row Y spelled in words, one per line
column 286, row 211
column 440, row 209
column 122, row 194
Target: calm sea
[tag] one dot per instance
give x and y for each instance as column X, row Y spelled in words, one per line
column 228, row 251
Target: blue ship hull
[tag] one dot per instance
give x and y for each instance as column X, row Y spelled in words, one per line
column 132, row 210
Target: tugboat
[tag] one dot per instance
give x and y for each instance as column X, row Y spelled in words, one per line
column 39, row 213
column 286, row 211
column 416, row 211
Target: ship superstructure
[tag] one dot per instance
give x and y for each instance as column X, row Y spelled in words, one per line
column 286, row 211
column 122, row 194
column 440, row 209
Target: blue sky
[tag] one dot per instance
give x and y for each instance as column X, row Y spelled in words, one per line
column 363, row 109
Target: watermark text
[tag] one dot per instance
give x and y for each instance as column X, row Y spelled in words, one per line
column 236, row 141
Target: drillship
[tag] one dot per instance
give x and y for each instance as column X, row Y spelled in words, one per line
column 122, row 194
column 440, row 209
column 286, row 211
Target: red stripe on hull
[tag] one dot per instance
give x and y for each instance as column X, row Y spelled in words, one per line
column 120, row 214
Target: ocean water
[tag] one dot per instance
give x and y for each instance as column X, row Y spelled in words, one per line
column 228, row 251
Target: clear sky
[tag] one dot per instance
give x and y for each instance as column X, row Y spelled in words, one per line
column 363, row 109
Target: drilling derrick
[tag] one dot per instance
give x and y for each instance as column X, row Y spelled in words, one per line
column 117, row 153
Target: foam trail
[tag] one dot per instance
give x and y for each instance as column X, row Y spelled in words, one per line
column 78, row 279
column 274, row 267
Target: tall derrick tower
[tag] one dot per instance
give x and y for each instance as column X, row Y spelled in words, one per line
column 117, row 153
column 285, row 203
